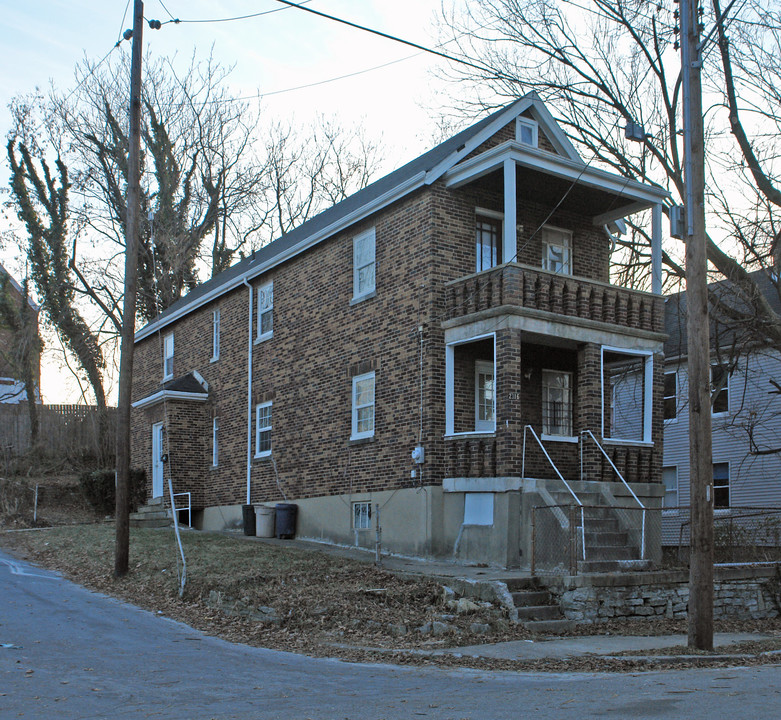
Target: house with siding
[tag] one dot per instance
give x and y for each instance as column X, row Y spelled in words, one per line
column 437, row 355
column 745, row 406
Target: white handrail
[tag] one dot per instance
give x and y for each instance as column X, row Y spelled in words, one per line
column 188, row 507
column 561, row 477
column 620, row 477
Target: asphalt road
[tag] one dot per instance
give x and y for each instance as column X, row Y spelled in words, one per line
column 68, row 653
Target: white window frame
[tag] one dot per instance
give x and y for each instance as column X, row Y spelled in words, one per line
column 168, row 356
column 266, row 428
column 546, row 386
column 527, row 124
column 265, row 309
column 368, row 237
column 483, row 367
column 215, row 441
column 450, row 370
column 566, row 249
column 668, row 509
column 674, row 396
column 362, row 515
column 648, row 380
column 215, row 336
column 356, row 408
column 725, row 389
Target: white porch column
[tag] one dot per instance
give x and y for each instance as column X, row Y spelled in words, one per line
column 656, row 249
column 449, row 390
column 509, row 249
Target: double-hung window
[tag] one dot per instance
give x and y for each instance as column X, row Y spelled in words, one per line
column 670, row 395
column 363, row 406
column 362, row 515
column 670, row 479
column 721, row 485
column 263, row 429
column 168, row 356
column 719, row 381
column 265, row 311
column 556, row 403
column 215, row 335
column 557, row 250
column 488, row 237
column 364, row 266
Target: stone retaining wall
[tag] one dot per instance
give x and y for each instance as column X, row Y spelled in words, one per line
column 739, row 593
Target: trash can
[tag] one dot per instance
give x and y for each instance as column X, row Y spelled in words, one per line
column 286, row 520
column 248, row 516
column 264, row 521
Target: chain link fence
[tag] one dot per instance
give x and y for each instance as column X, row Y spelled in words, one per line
column 592, row 538
column 741, row 535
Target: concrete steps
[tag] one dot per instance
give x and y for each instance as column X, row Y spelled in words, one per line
column 152, row 515
column 536, row 609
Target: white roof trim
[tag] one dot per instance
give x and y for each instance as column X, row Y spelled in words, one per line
column 342, row 223
column 162, row 395
column 555, row 165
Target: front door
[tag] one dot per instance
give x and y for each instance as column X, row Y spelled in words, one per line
column 157, row 460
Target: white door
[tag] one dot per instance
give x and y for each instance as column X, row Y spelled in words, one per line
column 157, row 460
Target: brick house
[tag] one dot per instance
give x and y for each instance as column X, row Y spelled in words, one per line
column 390, row 353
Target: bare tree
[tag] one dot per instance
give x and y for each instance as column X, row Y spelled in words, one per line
column 604, row 63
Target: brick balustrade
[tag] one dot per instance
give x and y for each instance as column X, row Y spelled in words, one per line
column 535, row 289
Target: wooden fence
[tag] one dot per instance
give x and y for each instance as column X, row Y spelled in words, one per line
column 67, row 430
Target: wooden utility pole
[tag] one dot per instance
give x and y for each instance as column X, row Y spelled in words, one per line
column 122, row 512
column 700, row 439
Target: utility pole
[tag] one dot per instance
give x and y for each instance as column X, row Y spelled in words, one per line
column 122, row 511
column 698, row 351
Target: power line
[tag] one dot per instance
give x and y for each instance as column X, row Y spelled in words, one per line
column 178, row 21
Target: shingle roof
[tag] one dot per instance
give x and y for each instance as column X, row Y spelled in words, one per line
column 344, row 209
column 724, row 292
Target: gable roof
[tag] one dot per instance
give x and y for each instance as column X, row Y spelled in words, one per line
column 423, row 170
column 16, row 286
column 722, row 291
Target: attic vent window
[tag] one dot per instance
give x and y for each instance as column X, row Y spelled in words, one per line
column 526, row 131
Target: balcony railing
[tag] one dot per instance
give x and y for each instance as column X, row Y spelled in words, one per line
column 535, row 289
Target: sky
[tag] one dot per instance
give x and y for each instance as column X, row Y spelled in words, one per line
column 44, row 40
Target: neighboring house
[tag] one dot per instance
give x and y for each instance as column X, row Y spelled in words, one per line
column 389, row 353
column 746, row 410
column 12, row 344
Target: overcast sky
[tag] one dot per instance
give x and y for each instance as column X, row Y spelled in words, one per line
column 43, row 41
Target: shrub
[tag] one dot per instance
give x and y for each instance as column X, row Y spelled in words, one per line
column 99, row 489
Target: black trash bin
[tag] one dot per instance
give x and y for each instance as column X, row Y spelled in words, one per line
column 286, row 520
column 248, row 516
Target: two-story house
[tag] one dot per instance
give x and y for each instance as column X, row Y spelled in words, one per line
column 395, row 353
column 746, row 409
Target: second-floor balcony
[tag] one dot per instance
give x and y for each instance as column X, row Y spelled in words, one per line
column 523, row 289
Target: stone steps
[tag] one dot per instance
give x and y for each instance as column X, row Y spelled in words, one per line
column 152, row 515
column 536, row 609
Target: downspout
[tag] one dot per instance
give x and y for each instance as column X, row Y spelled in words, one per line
column 249, row 396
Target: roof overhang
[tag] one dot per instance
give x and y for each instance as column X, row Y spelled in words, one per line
column 163, row 395
column 632, row 196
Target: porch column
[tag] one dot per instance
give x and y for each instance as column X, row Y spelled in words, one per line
column 589, row 400
column 509, row 428
column 509, row 253
column 656, row 249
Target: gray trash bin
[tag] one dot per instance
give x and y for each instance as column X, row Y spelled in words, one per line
column 264, row 521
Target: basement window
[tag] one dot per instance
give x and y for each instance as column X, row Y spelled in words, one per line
column 362, row 515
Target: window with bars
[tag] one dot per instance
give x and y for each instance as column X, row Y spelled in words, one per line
column 488, row 235
column 557, row 403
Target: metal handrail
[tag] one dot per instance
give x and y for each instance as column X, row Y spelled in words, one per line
column 188, row 507
column 561, row 477
column 620, row 477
